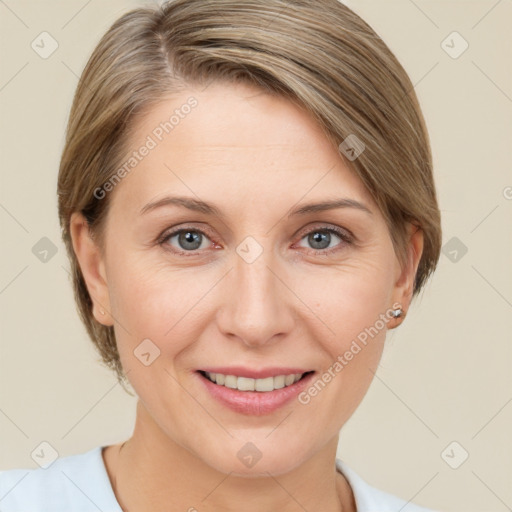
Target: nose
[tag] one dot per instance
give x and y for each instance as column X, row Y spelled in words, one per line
column 258, row 305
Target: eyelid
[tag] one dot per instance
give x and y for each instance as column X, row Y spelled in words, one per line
column 172, row 232
column 344, row 234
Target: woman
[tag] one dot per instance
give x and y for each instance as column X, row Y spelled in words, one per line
column 247, row 199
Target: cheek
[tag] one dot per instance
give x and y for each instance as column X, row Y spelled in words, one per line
column 348, row 298
column 351, row 335
column 152, row 301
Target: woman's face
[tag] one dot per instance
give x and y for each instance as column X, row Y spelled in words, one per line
column 252, row 284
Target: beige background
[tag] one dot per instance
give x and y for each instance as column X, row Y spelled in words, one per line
column 445, row 375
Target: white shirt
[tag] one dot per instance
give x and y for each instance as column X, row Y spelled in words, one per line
column 80, row 483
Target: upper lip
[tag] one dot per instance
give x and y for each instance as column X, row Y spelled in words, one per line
column 262, row 373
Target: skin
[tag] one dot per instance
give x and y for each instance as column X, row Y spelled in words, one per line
column 295, row 305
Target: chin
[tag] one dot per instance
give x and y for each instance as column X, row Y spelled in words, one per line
column 247, row 460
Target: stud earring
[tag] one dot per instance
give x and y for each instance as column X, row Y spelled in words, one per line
column 102, row 311
column 396, row 312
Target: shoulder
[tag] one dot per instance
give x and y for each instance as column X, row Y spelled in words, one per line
column 371, row 499
column 76, row 482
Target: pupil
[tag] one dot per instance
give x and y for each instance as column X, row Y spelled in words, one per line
column 318, row 238
column 190, row 237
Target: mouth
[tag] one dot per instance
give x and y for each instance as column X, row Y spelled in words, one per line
column 251, row 395
column 262, row 385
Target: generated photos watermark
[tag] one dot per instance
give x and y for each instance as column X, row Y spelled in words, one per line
column 152, row 140
column 344, row 359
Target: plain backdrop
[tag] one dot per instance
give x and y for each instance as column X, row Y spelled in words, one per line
column 443, row 391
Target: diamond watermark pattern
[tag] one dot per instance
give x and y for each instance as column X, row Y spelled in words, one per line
column 44, row 45
column 249, row 249
column 352, row 147
column 454, row 249
column 146, row 352
column 454, row 45
column 249, row 454
column 44, row 455
column 44, row 250
column 454, row 455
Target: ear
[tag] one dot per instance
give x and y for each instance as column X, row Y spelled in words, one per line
column 92, row 266
column 404, row 285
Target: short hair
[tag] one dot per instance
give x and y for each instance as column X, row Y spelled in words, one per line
column 319, row 55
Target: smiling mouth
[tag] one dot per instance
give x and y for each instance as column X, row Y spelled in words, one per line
column 248, row 384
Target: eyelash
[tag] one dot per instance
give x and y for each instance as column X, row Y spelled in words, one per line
column 347, row 239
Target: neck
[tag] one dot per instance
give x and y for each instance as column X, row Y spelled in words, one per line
column 151, row 470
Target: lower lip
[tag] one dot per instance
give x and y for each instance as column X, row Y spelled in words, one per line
column 255, row 403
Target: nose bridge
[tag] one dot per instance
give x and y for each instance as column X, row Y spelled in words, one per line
column 256, row 307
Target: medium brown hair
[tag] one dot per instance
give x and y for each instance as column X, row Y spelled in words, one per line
column 319, row 55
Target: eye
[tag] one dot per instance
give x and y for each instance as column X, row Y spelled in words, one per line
column 320, row 239
column 188, row 240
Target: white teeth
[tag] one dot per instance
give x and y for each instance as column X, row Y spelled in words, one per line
column 264, row 384
column 247, row 384
column 230, row 381
column 279, row 381
column 289, row 379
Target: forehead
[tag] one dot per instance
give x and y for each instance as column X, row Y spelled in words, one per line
column 232, row 142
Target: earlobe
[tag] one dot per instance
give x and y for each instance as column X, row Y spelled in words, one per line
column 404, row 285
column 92, row 265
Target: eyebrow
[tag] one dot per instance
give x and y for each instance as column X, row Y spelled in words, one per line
column 330, row 205
column 208, row 208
